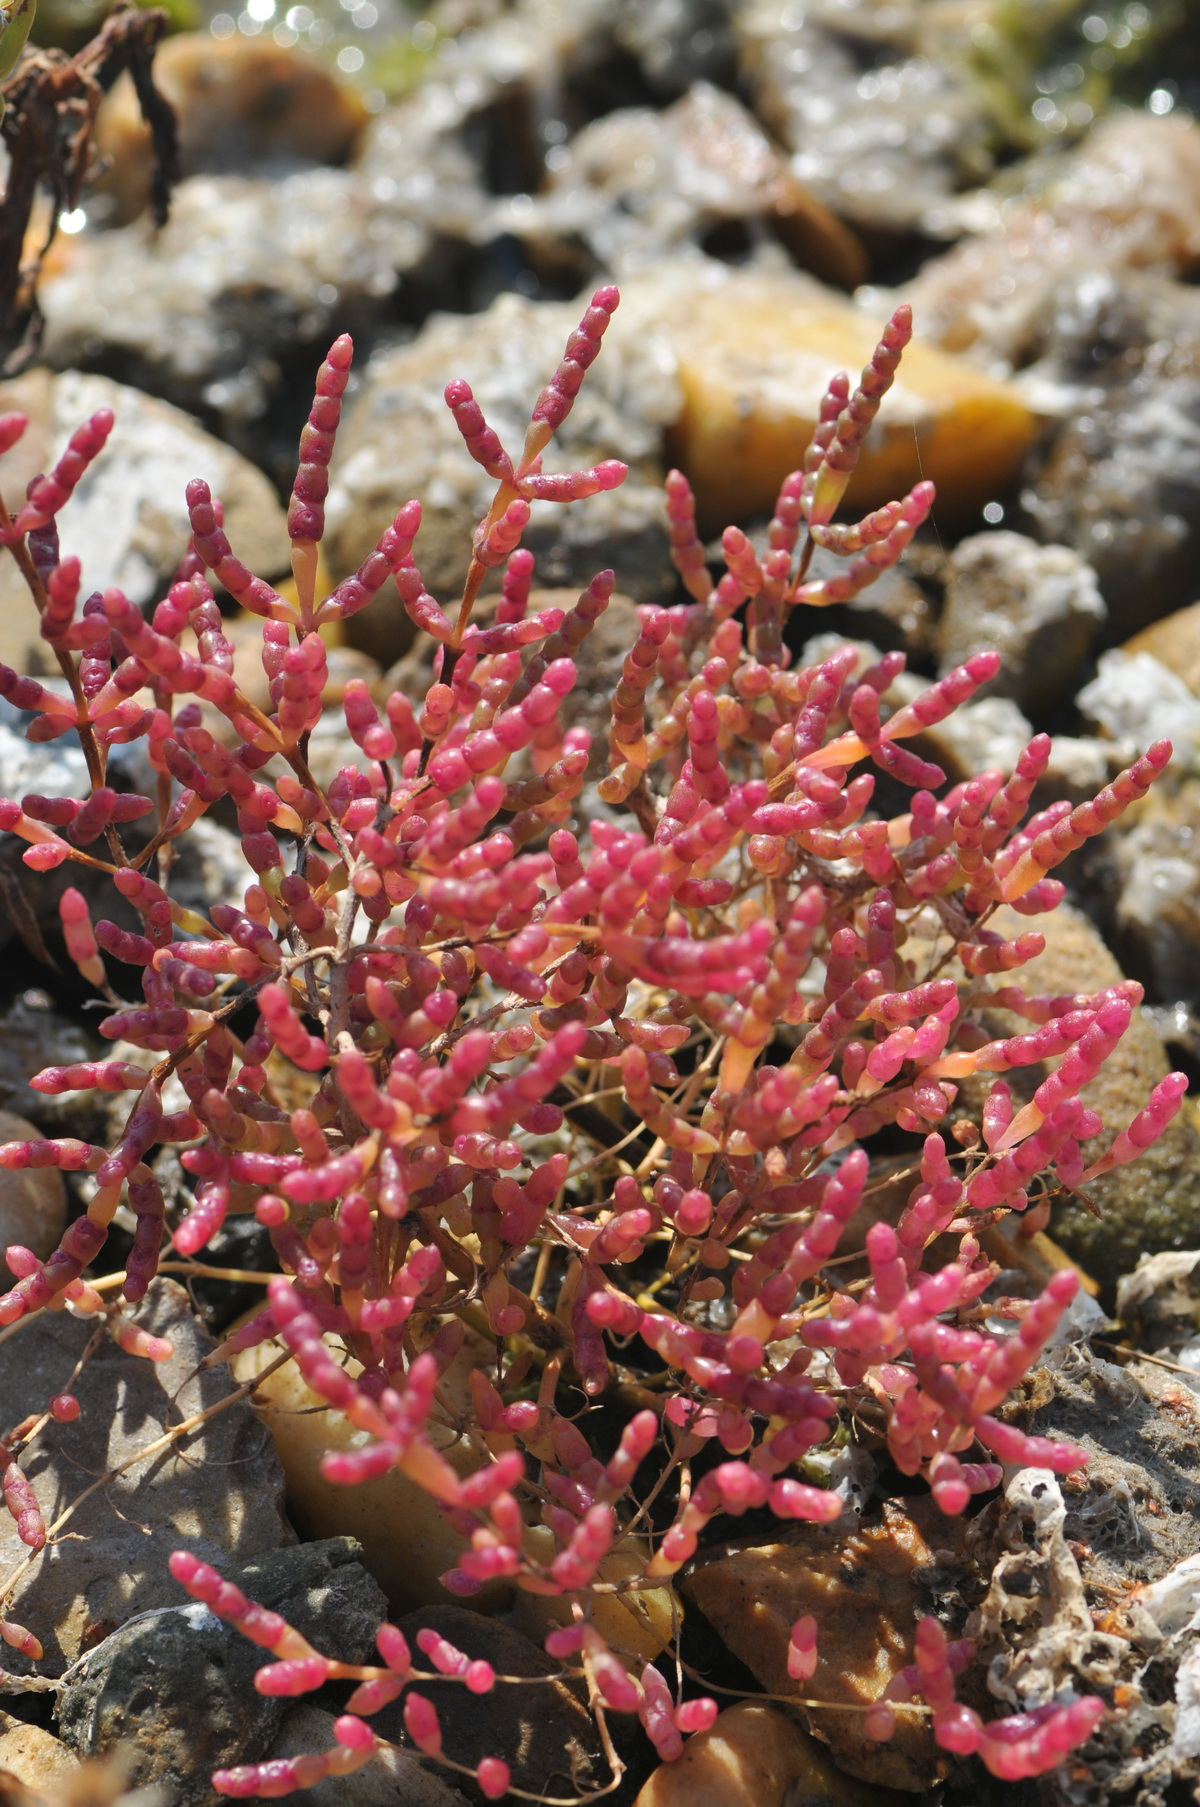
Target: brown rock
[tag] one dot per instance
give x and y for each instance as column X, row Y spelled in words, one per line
column 33, row 1200
column 755, row 353
column 755, row 1755
column 36, row 1757
column 1154, row 1202
column 857, row 1581
column 241, row 103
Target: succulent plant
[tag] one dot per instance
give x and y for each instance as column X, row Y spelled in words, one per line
column 752, row 972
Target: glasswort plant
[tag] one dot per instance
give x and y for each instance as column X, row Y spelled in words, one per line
column 735, row 942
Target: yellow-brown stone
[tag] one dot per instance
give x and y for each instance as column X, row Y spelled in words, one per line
column 755, row 354
column 859, row 1586
column 1174, row 642
column 239, row 101
column 755, row 1755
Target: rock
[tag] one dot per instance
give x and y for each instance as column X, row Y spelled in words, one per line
column 755, row 1755
column 1175, row 643
column 33, row 1200
column 1154, row 1202
column 755, row 351
column 218, row 1493
column 392, row 1778
column 880, row 134
column 33, row 1034
column 638, row 184
column 860, row 1584
column 1152, row 864
column 138, row 1690
column 1137, row 700
column 1127, row 199
column 36, row 1757
column 506, row 354
column 979, row 737
column 243, row 105
column 1131, row 1510
column 545, row 1735
column 406, row 1542
column 1117, row 359
column 242, row 283
column 1159, row 1302
column 1037, row 606
column 127, row 520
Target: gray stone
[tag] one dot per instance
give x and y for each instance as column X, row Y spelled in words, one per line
column 217, row 1492
column 399, row 440
column 33, row 1200
column 246, row 271
column 881, row 132
column 1136, row 700
column 638, row 184
column 174, row 1688
column 34, row 1034
column 392, row 1778
column 543, row 1733
column 127, row 520
column 1116, row 358
column 1039, row 607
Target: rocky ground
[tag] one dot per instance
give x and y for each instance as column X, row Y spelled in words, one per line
column 764, row 179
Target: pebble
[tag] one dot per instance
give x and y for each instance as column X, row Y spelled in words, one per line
column 756, row 1755
column 407, row 1542
column 755, row 351
column 399, row 440
column 541, row 1730
column 139, row 1690
column 33, row 1200
column 218, row 1493
column 1039, row 607
column 241, row 104
column 1152, row 1203
column 1175, row 643
column 1116, row 360
column 392, row 1778
column 1152, row 865
column 858, row 1582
